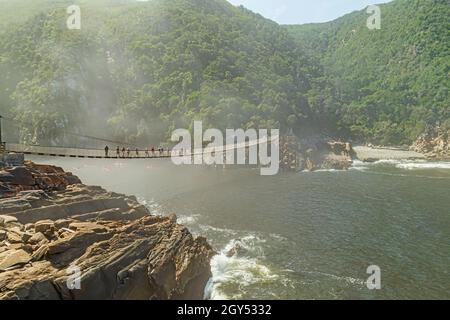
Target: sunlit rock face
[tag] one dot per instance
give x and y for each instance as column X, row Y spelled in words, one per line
column 33, row 176
column 434, row 143
column 60, row 239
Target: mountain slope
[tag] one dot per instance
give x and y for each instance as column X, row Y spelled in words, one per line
column 138, row 70
column 389, row 83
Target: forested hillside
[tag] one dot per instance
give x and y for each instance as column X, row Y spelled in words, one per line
column 389, row 84
column 137, row 70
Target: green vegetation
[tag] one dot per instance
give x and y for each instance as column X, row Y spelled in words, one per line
column 388, row 84
column 137, row 70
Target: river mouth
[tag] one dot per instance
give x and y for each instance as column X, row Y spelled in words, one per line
column 308, row 235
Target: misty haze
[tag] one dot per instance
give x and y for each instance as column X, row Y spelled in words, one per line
column 119, row 179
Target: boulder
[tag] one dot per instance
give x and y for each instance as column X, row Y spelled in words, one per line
column 6, row 220
column 46, row 227
column 14, row 237
column 38, row 238
column 62, row 223
column 26, row 236
column 19, row 176
column 31, row 176
column 434, row 143
column 236, row 249
column 40, row 253
column 13, row 258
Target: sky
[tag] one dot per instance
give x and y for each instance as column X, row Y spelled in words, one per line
column 304, row 11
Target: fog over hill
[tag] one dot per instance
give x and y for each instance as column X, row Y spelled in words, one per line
column 137, row 70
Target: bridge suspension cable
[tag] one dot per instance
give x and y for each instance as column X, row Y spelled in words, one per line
column 17, row 124
column 122, row 153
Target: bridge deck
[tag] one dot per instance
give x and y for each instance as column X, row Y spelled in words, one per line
column 80, row 153
column 100, row 154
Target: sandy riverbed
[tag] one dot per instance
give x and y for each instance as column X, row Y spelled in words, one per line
column 364, row 153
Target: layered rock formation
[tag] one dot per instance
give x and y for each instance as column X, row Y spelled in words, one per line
column 60, row 239
column 434, row 143
column 33, row 176
column 317, row 153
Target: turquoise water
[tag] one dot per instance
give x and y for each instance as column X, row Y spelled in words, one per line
column 304, row 235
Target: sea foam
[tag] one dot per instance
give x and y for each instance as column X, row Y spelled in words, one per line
column 243, row 270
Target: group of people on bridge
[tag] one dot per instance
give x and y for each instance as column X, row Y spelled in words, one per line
column 123, row 152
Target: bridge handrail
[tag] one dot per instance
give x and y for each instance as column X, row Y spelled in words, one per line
column 96, row 153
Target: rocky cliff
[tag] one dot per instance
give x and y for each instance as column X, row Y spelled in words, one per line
column 32, row 176
column 60, row 239
column 318, row 152
column 434, row 143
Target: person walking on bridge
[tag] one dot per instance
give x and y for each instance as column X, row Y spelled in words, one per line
column 118, row 152
column 348, row 149
column 106, row 151
column 128, row 152
column 137, row 153
column 123, row 152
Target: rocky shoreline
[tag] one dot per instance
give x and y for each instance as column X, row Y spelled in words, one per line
column 315, row 152
column 60, row 239
column 434, row 143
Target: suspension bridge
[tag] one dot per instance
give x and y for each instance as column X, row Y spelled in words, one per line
column 122, row 152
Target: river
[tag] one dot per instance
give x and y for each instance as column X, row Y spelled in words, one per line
column 302, row 235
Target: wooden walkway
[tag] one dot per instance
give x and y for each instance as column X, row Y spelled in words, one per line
column 82, row 153
column 100, row 154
